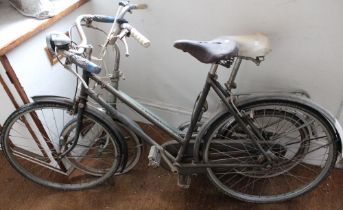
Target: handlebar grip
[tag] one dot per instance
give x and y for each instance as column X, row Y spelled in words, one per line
column 83, row 63
column 140, row 37
column 103, row 18
column 141, row 6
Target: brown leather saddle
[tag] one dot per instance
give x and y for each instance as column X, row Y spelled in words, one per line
column 209, row 51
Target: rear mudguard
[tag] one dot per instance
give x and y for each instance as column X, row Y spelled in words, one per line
column 301, row 101
column 98, row 113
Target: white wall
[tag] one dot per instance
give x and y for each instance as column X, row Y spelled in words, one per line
column 33, row 68
column 305, row 35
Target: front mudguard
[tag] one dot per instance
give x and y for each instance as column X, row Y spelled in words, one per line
column 111, row 124
column 301, row 101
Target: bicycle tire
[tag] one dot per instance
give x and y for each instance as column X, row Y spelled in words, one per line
column 134, row 147
column 22, row 157
column 272, row 182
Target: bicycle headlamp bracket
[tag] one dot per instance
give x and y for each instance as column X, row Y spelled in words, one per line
column 57, row 40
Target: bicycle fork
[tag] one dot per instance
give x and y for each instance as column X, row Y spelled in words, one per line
column 81, row 105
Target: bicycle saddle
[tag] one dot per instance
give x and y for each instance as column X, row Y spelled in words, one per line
column 254, row 45
column 209, row 51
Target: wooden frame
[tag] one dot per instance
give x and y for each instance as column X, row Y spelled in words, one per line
column 14, row 79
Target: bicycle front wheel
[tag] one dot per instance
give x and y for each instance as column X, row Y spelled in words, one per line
column 34, row 136
column 134, row 147
column 299, row 141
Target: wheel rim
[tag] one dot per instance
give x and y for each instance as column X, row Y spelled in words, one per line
column 134, row 147
column 32, row 143
column 101, row 142
column 264, row 184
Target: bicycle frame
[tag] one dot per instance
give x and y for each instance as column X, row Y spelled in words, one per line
column 211, row 82
column 172, row 161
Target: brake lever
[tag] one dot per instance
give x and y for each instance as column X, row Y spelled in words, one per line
column 122, row 36
column 127, row 54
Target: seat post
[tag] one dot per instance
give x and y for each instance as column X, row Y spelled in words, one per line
column 230, row 84
column 213, row 69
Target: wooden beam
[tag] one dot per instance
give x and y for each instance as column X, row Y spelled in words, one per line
column 8, row 92
column 41, row 27
column 14, row 79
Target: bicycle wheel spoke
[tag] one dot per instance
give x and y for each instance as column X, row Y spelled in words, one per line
column 293, row 130
column 301, row 147
column 36, row 152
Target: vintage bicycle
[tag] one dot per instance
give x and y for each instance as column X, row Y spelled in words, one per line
column 261, row 149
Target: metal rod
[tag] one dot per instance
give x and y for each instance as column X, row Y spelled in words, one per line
column 230, row 84
column 238, row 117
column 122, row 118
column 196, row 114
column 80, row 110
column 169, row 161
column 169, row 158
column 140, row 109
column 115, row 77
column 213, row 69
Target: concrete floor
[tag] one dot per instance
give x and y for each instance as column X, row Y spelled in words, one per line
column 147, row 188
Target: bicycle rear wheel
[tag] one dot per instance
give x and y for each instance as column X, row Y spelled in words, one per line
column 299, row 140
column 32, row 140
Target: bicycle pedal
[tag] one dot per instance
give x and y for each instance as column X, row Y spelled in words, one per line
column 154, row 157
column 184, row 181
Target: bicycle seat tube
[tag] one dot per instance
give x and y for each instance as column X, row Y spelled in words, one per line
column 223, row 95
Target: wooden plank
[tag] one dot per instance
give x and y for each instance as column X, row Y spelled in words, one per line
column 14, row 79
column 41, row 27
column 8, row 92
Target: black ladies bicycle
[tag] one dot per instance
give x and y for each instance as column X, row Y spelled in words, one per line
column 262, row 149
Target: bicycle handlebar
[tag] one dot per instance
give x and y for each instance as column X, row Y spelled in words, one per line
column 122, row 10
column 82, row 62
column 141, row 39
column 81, row 32
column 140, row 6
column 103, row 18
